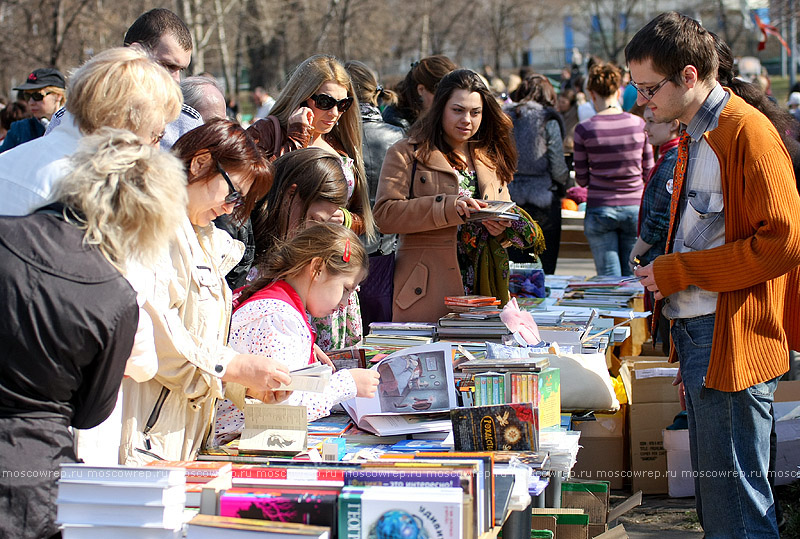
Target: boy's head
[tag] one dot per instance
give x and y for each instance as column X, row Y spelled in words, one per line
column 660, row 132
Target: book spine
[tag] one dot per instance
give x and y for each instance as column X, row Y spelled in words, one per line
column 484, row 391
column 535, row 389
column 350, row 515
column 495, row 389
column 523, row 383
column 476, row 401
column 395, row 478
column 506, row 393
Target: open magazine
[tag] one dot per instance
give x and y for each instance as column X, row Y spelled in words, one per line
column 416, row 385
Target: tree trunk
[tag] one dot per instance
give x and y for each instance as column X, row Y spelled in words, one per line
column 225, row 59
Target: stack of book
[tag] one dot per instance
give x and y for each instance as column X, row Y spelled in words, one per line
column 120, row 501
column 480, row 323
column 431, row 494
column 399, row 334
column 467, row 303
column 198, row 474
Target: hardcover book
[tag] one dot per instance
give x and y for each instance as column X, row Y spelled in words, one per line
column 367, row 512
column 501, row 427
column 317, row 507
column 215, row 527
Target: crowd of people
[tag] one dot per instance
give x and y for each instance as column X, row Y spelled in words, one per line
column 163, row 264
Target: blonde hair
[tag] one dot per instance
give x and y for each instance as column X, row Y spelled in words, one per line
column 56, row 90
column 125, row 89
column 366, row 85
column 303, row 83
column 326, row 242
column 128, row 197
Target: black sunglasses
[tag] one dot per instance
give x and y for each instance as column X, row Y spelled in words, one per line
column 326, row 102
column 36, row 96
column 234, row 196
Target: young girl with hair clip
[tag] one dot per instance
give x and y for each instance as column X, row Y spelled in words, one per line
column 312, row 273
column 316, row 109
column 459, row 154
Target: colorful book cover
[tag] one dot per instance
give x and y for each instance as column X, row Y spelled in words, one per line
column 373, row 512
column 506, row 427
column 407, row 477
column 281, row 505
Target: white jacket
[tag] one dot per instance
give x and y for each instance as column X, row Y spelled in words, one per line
column 190, row 306
column 30, row 171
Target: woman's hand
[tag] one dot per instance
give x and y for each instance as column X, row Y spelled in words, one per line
column 465, row 205
column 366, row 382
column 303, row 116
column 260, row 373
column 496, row 226
column 269, row 397
column 322, row 357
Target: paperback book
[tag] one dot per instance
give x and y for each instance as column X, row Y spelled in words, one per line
column 367, row 512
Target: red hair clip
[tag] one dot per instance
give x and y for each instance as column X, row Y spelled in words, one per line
column 346, row 255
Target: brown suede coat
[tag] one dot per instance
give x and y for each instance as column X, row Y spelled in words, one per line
column 423, row 214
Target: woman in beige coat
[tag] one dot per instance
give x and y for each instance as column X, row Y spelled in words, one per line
column 170, row 416
column 458, row 155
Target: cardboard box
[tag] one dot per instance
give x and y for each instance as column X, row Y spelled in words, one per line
column 648, row 456
column 680, row 480
column 570, row 523
column 649, row 380
column 590, row 496
column 603, row 450
column 787, row 429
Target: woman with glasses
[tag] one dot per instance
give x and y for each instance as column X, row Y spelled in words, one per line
column 458, row 155
column 44, row 93
column 170, row 416
column 611, row 158
column 316, row 109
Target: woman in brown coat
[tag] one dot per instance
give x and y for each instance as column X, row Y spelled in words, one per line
column 458, row 155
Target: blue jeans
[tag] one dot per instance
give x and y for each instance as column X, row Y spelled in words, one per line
column 728, row 440
column 611, row 231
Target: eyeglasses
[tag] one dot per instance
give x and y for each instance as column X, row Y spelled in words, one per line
column 156, row 138
column 234, row 196
column 36, row 96
column 326, row 102
column 650, row 93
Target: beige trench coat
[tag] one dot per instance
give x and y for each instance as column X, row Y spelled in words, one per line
column 190, row 304
column 425, row 217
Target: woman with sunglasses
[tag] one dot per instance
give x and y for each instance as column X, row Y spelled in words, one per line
column 612, row 156
column 458, row 155
column 170, row 416
column 316, row 109
column 44, row 93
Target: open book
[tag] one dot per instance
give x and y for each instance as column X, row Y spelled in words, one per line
column 416, row 385
column 314, row 378
column 496, row 209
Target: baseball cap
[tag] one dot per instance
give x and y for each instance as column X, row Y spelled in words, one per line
column 794, row 99
column 43, row 77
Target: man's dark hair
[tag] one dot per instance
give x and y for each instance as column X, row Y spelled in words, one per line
column 149, row 28
column 672, row 41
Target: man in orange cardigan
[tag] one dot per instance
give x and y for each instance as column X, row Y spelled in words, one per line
column 730, row 272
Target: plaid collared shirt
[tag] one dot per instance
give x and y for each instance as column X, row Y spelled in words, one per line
column 702, row 216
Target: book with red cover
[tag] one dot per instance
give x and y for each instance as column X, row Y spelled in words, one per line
column 471, row 300
column 303, row 506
